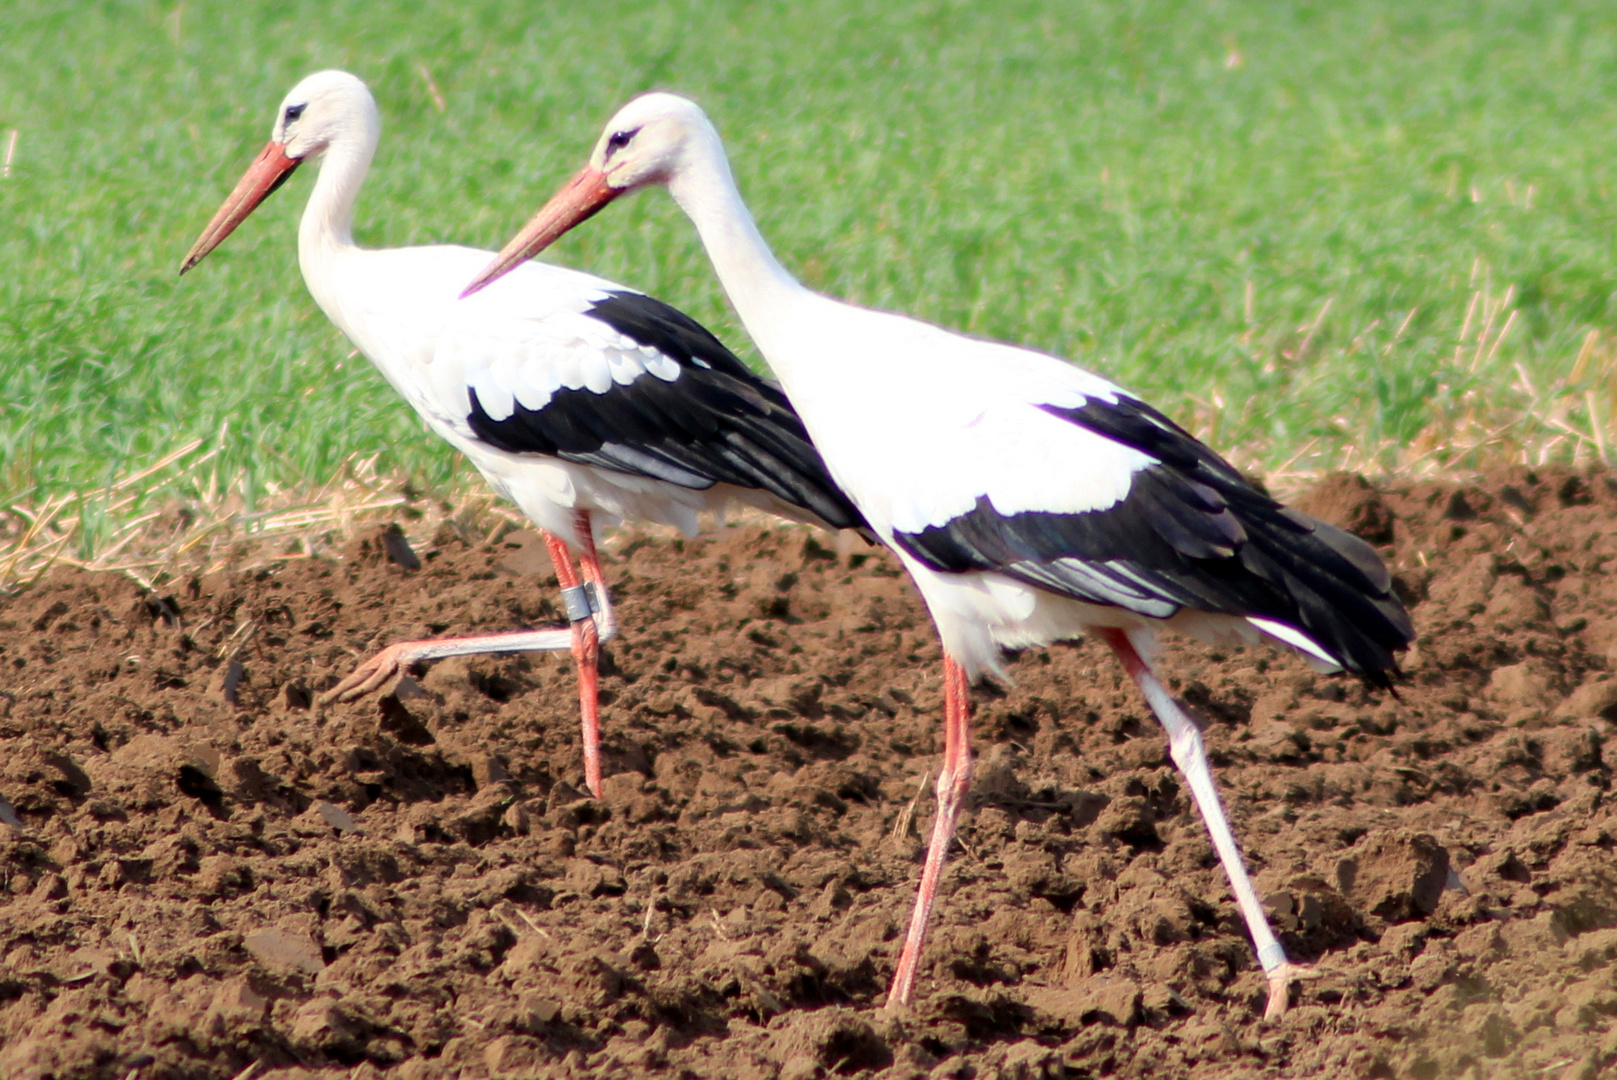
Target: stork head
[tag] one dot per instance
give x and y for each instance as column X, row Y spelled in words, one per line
column 328, row 108
column 649, row 141
column 325, row 108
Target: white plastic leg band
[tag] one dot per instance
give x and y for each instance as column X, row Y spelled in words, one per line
column 576, row 601
column 1271, row 956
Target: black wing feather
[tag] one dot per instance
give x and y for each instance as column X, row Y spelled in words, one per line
column 717, row 423
column 1191, row 533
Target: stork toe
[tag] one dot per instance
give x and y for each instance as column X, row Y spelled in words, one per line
column 1280, row 980
column 370, row 676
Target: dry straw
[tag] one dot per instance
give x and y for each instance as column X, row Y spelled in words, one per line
column 1471, row 426
column 153, row 538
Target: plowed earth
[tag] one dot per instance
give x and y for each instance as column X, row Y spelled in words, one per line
column 201, row 871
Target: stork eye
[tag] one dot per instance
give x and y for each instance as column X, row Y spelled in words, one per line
column 620, row 139
column 293, row 112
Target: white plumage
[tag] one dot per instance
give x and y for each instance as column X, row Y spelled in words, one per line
column 1031, row 501
column 584, row 403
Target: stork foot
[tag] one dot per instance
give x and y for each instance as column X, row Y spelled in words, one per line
column 372, row 675
column 394, row 660
column 1280, row 980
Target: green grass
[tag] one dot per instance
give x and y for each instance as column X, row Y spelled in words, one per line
column 1170, row 193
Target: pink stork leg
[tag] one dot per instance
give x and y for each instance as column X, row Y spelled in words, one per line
column 581, row 637
column 606, row 621
column 1190, row 754
column 586, row 651
column 396, row 659
column 953, row 782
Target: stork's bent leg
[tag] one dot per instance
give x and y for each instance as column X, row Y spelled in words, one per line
column 394, row 660
column 953, row 782
column 587, row 654
column 606, row 622
column 1190, row 754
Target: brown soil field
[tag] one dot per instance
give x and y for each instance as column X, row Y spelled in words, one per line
column 201, row 872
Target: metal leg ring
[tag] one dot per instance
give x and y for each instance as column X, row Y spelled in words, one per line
column 576, row 601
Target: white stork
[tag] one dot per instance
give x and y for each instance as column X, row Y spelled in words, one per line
column 1030, row 500
column 581, row 401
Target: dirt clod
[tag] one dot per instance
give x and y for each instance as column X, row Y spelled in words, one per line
column 1394, row 876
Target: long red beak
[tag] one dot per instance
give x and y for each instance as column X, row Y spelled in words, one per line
column 268, row 171
column 579, row 200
